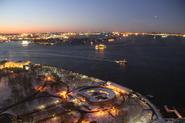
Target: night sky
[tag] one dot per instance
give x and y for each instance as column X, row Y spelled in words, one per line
column 92, row 15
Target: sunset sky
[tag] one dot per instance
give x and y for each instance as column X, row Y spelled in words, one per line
column 92, row 15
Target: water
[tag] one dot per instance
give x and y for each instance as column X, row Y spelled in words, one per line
column 155, row 66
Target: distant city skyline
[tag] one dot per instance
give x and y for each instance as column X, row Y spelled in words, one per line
column 19, row 16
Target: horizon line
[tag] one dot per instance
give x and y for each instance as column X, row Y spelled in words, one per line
column 91, row 32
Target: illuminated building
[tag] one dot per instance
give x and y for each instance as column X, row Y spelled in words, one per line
column 125, row 35
column 63, row 94
column 115, row 33
column 41, row 107
column 3, row 38
column 97, row 96
column 12, row 64
column 49, row 78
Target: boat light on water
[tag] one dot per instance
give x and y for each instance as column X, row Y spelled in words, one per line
column 124, row 61
column 25, row 43
column 100, row 47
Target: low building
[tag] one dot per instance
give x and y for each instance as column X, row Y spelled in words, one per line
column 12, row 64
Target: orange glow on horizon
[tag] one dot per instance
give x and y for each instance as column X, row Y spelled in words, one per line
column 37, row 28
column 18, row 29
